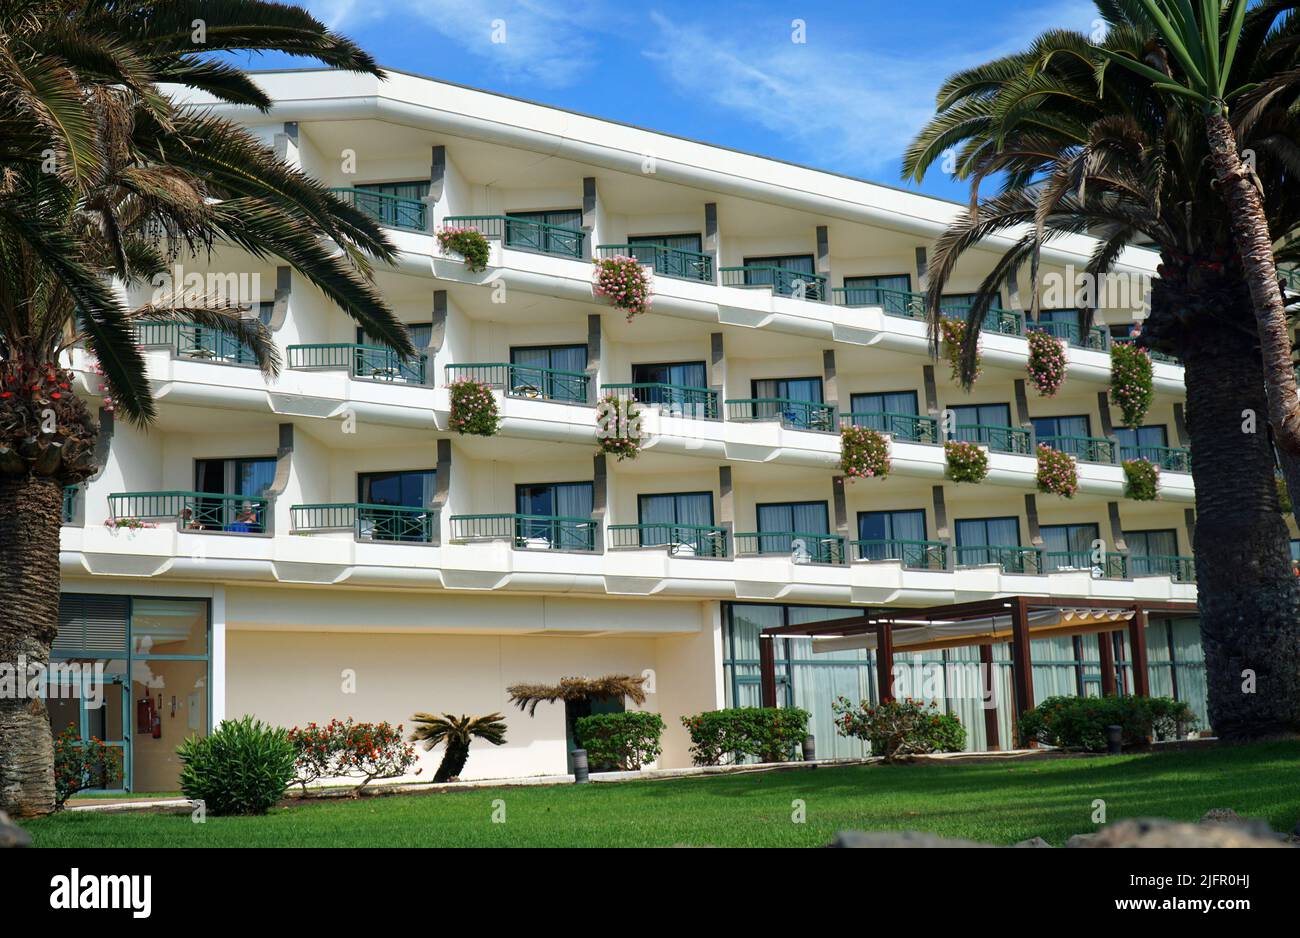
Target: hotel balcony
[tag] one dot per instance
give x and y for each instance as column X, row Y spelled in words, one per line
column 387, row 523
column 389, row 210
column 778, row 280
column 364, row 362
column 664, row 261
column 519, row 234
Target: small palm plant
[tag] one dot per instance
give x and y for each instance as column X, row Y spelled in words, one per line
column 456, row 733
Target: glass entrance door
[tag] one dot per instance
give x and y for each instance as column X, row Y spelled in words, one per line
column 96, row 708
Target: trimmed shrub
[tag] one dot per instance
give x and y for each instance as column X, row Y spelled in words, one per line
column 243, row 767
column 469, row 243
column 474, row 410
column 771, row 734
column 1080, row 722
column 1130, row 382
column 621, row 741
column 899, row 727
column 618, row 427
column 967, row 462
column 864, row 453
column 1141, row 480
column 1047, row 362
column 1058, row 473
column 80, row 764
column 953, row 332
column 625, row 283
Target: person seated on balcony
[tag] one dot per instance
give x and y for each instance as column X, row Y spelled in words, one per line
column 189, row 522
column 246, row 521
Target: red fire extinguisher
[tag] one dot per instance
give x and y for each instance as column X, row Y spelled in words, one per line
column 145, row 714
column 157, row 720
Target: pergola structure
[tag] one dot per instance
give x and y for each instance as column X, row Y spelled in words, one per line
column 1017, row 620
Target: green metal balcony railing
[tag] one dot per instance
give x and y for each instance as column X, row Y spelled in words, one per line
column 547, row 384
column 1155, row 356
column 1112, row 566
column 192, row 511
column 1179, row 569
column 908, row 428
column 914, row 555
column 524, row 235
column 370, row 362
column 1083, row 448
column 535, row 532
column 1012, row 440
column 1168, row 458
column 70, row 495
column 794, row 415
column 904, row 304
column 190, row 340
column 801, row 547
column 680, row 539
column 673, row 399
column 1097, row 337
column 397, row 523
column 1010, row 559
column 391, row 210
column 783, row 282
column 668, row 262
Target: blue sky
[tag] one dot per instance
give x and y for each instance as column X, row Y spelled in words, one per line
column 847, row 99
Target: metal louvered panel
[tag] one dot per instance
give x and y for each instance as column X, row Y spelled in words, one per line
column 92, row 626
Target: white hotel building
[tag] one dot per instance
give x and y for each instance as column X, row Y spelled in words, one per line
column 324, row 545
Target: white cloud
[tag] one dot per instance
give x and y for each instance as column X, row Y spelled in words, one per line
column 550, row 45
column 844, row 107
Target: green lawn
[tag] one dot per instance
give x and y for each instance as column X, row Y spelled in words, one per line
column 1000, row 802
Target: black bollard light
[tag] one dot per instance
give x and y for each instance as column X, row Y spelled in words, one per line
column 1114, row 739
column 580, row 776
column 810, row 748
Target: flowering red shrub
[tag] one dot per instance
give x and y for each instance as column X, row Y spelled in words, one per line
column 81, row 764
column 864, row 453
column 346, row 749
column 1058, row 473
column 625, row 283
column 1047, row 363
column 899, row 727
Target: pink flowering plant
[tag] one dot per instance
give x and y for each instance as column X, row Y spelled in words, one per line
column 1141, row 480
column 469, row 243
column 967, row 462
column 625, row 283
column 864, row 453
column 1058, row 473
column 474, row 409
column 618, row 427
column 1130, row 382
column 1047, row 362
column 953, row 332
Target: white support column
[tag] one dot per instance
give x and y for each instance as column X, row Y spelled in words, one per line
column 218, row 652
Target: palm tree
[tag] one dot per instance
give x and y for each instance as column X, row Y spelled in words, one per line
column 104, row 180
column 456, row 733
column 1130, row 163
column 1204, row 41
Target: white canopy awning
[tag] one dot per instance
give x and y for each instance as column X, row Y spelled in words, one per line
column 920, row 636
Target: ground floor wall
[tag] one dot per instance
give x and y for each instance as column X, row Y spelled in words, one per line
column 394, row 664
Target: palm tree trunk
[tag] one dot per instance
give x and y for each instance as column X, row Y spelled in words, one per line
column 1250, row 230
column 1249, row 600
column 453, row 760
column 29, row 619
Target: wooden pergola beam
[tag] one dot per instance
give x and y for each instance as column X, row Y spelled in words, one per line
column 1022, row 673
column 1137, row 643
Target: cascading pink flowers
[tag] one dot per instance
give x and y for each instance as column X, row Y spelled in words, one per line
column 1058, row 472
column 967, row 462
column 864, row 453
column 1130, row 382
column 625, row 283
column 1047, row 362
